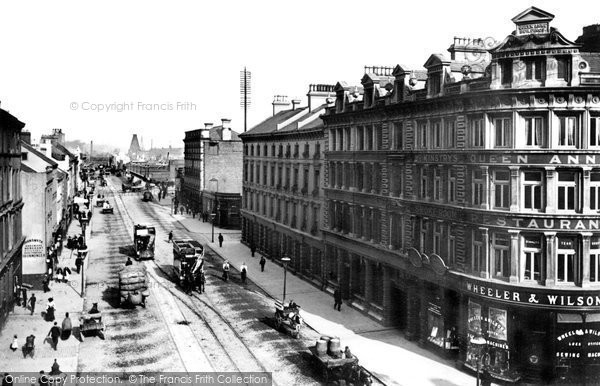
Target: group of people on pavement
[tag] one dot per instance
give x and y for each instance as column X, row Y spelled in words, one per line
column 54, row 377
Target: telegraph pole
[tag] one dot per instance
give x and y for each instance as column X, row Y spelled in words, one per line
column 245, row 90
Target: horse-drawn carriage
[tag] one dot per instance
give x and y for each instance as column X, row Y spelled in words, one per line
column 287, row 318
column 91, row 323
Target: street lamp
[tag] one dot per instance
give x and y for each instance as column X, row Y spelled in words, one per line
column 212, row 221
column 478, row 343
column 82, row 253
column 285, row 261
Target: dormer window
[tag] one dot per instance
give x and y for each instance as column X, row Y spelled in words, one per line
column 436, row 83
column 563, row 68
column 534, row 68
column 506, row 72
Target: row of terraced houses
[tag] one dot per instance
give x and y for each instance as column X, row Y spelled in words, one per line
column 455, row 201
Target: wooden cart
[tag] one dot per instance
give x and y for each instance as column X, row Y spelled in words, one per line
column 335, row 368
column 91, row 324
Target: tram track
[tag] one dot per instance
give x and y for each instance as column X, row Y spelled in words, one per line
column 228, row 339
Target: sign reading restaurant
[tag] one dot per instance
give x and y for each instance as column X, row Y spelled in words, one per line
column 547, row 298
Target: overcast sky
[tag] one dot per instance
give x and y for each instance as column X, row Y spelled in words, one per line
column 62, row 59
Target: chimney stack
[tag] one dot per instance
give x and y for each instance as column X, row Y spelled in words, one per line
column 226, row 123
column 26, row 137
column 280, row 103
column 295, row 102
column 318, row 94
column 206, row 131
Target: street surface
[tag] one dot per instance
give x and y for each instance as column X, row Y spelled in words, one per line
column 224, row 329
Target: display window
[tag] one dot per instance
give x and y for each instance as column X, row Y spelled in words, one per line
column 435, row 325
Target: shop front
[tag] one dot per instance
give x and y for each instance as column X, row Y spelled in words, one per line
column 531, row 334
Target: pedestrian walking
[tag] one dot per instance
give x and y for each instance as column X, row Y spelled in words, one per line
column 24, row 294
column 262, row 263
column 29, row 347
column 32, row 301
column 54, row 334
column 67, row 327
column 7, row 379
column 50, row 310
column 15, row 344
column 243, row 272
column 181, row 210
column 46, row 283
column 43, row 379
column 252, row 249
column 128, row 262
column 78, row 263
column 170, row 236
column 225, row 270
column 220, row 240
column 337, row 297
column 201, row 281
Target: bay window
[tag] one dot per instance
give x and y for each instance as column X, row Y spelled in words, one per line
column 566, row 255
column 501, row 255
column 595, row 259
column 533, row 190
column 568, row 131
column 568, row 197
column 501, row 189
column 502, row 130
column 534, row 131
column 532, row 255
column 595, row 190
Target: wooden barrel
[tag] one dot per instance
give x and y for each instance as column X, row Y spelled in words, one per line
column 334, row 346
column 321, row 347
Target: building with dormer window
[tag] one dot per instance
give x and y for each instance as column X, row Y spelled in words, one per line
column 463, row 201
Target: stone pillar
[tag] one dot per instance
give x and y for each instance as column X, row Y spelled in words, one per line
column 550, row 258
column 352, row 174
column 368, row 280
column 387, row 295
column 485, row 250
column 550, row 189
column 514, row 255
column 352, row 218
column 585, row 277
column 586, row 188
column 485, row 175
column 514, row 188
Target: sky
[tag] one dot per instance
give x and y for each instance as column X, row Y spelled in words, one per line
column 104, row 70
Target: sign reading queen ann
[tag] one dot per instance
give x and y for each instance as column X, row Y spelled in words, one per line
column 533, row 21
column 34, row 257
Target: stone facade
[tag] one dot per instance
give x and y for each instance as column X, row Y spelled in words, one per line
column 11, row 206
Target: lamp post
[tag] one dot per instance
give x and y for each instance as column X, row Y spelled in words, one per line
column 82, row 255
column 212, row 221
column 285, row 261
column 479, row 343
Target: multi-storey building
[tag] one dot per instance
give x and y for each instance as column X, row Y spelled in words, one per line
column 39, row 184
column 212, row 179
column 282, row 198
column 11, row 204
column 467, row 206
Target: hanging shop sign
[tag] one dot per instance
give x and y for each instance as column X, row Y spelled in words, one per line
column 542, row 298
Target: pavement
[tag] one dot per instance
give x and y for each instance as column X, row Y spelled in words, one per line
column 383, row 351
column 67, row 298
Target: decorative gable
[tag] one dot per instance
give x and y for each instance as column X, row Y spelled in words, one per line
column 533, row 21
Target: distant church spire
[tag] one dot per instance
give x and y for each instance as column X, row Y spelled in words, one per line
column 134, row 148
